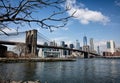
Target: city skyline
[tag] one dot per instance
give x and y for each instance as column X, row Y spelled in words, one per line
column 97, row 30
column 95, row 19
column 59, row 41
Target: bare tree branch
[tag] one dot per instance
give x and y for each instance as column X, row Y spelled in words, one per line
column 20, row 48
column 22, row 12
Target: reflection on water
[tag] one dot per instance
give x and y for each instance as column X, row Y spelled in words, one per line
column 80, row 71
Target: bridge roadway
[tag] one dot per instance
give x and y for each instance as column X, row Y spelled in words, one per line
column 43, row 46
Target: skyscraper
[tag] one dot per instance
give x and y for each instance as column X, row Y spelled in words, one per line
column 71, row 45
column 53, row 43
column 111, row 46
column 62, row 44
column 98, row 50
column 91, row 45
column 77, row 44
column 63, row 52
column 45, row 43
column 84, row 41
column 108, row 45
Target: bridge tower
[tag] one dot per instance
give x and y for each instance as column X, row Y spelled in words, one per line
column 31, row 42
column 86, row 55
column 86, row 49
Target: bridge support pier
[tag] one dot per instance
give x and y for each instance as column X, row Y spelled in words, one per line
column 86, row 55
column 31, row 42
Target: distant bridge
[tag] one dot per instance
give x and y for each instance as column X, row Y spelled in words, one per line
column 44, row 46
column 31, row 43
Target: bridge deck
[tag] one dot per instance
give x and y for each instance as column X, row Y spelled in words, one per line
column 43, row 46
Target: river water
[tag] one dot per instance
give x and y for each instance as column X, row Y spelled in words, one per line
column 80, row 71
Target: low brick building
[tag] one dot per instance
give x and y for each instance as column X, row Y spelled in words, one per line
column 117, row 53
column 3, row 50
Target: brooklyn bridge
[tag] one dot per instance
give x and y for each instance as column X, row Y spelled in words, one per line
column 32, row 39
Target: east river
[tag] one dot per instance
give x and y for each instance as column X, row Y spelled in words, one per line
column 81, row 71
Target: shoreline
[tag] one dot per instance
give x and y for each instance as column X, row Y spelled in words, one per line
column 13, row 81
column 20, row 60
column 112, row 57
column 108, row 57
column 15, row 60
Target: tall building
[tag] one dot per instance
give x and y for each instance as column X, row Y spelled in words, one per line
column 91, row 45
column 77, row 44
column 45, row 43
column 63, row 52
column 108, row 45
column 62, row 44
column 98, row 50
column 111, row 46
column 53, row 43
column 71, row 46
column 84, row 41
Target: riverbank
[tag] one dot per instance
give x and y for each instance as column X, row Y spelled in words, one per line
column 8, row 60
column 112, row 57
column 3, row 81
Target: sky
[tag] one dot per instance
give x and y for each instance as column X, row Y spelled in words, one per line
column 97, row 19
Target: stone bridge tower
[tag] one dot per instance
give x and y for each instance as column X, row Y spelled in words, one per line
column 31, row 42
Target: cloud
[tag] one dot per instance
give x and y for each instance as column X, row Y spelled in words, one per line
column 13, row 35
column 17, row 39
column 65, row 39
column 117, row 3
column 81, row 5
column 101, row 44
column 57, row 39
column 9, row 30
column 65, row 28
column 70, row 22
column 84, row 15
